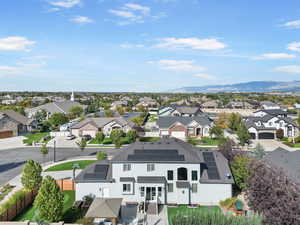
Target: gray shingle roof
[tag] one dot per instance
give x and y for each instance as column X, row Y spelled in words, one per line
column 168, row 121
column 104, row 208
column 16, row 116
column 151, row 180
column 57, row 107
column 100, row 122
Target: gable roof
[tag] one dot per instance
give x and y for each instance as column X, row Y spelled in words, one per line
column 104, row 208
column 168, row 121
column 273, row 112
column 269, row 104
column 191, row 110
column 16, row 117
column 100, row 122
column 57, row 107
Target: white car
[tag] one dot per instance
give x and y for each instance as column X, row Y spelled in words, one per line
column 70, row 137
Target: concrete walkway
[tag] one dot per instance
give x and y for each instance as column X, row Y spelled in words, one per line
column 271, row 145
column 12, row 143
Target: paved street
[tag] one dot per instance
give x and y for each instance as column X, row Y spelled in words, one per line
column 12, row 160
column 11, row 143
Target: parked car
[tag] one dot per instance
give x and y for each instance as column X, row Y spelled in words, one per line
column 87, row 137
column 70, row 137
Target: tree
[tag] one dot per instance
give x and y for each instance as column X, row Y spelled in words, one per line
column 216, row 131
column 99, row 137
column 108, row 113
column 31, row 175
column 222, row 121
column 234, row 121
column 259, row 151
column 298, row 120
column 101, row 155
column 44, row 150
column 138, row 120
column 132, row 135
column 58, row 119
column 116, row 134
column 240, row 170
column 76, row 111
column 40, row 115
column 120, row 110
column 81, row 144
column 49, row 201
column 118, row 142
column 243, row 134
column 279, row 133
column 226, row 148
column 273, row 194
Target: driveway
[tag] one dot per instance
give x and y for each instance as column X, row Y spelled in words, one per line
column 62, row 142
column 11, row 143
column 12, row 160
column 271, row 145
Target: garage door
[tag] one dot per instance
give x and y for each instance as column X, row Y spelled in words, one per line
column 6, row 134
column 253, row 135
column 178, row 134
column 266, row 136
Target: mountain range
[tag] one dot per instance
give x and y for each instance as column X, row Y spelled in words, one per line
column 253, row 86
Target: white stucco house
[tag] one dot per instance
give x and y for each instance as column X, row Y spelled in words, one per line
column 269, row 105
column 169, row 171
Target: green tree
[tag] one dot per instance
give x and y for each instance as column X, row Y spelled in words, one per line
column 234, row 121
column 132, row 135
column 259, row 151
column 240, row 171
column 101, row 155
column 108, row 113
column 138, row 120
column 44, row 150
column 81, row 144
column 76, row 111
column 99, row 137
column 58, row 119
column 118, row 142
column 40, row 115
column 31, row 175
column 120, row 110
column 216, row 131
column 243, row 134
column 50, row 201
column 116, row 134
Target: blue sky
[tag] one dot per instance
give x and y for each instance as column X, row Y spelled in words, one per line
column 146, row 45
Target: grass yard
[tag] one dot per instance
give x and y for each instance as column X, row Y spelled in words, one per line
column 152, row 118
column 290, row 144
column 30, row 138
column 69, row 198
column 172, row 211
column 108, row 141
column 68, row 165
column 209, row 141
column 149, row 139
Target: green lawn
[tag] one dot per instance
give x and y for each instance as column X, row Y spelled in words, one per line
column 209, row 141
column 149, row 139
column 68, row 165
column 296, row 145
column 69, row 198
column 108, row 141
column 152, row 118
column 172, row 211
column 34, row 137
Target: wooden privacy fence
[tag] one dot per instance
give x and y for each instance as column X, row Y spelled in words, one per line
column 66, row 185
column 17, row 208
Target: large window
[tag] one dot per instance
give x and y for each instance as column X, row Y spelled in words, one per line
column 194, row 188
column 170, row 187
column 170, row 175
column 159, row 191
column 126, row 188
column 194, row 175
column 126, row 167
column 182, row 173
column 142, row 191
column 150, row 167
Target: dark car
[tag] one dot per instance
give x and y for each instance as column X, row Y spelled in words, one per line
column 87, row 137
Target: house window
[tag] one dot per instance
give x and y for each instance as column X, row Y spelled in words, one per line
column 126, row 188
column 170, row 175
column 150, row 167
column 153, row 192
column 194, row 175
column 270, row 124
column 159, row 191
column 191, row 130
column 182, row 173
column 194, row 188
column 126, row 167
column 170, row 187
column 142, row 191
column 281, row 124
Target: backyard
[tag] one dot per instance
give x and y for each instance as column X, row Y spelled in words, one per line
column 69, row 165
column 36, row 137
column 69, row 215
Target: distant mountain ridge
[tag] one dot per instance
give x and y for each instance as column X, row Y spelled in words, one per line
column 253, row 86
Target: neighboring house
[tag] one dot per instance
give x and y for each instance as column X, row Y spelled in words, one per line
column 210, row 104
column 54, row 107
column 91, row 126
column 269, row 105
column 177, row 110
column 13, row 124
column 169, row 171
column 119, row 103
column 239, row 105
column 147, row 102
column 183, row 127
column 265, row 127
column 272, row 112
column 286, row 160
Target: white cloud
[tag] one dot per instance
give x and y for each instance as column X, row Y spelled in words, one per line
column 292, row 24
column 82, row 20
column 294, row 46
column 205, row 76
column 65, row 3
column 121, row 13
column 136, row 7
column 288, row 69
column 127, row 45
column 10, row 69
column 275, row 56
column 179, row 65
column 15, row 44
column 193, row 43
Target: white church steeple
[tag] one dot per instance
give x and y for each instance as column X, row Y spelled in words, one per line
column 72, row 97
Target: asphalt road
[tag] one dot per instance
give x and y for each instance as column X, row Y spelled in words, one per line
column 12, row 160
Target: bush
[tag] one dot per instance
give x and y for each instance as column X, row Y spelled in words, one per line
column 279, row 133
column 228, row 203
column 125, row 141
column 99, row 137
column 107, row 141
column 31, row 176
column 101, row 156
column 297, row 139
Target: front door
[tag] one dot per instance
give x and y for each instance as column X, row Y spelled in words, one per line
column 183, row 196
column 150, row 193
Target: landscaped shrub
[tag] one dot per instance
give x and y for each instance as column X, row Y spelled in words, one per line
column 213, row 218
column 297, row 139
column 101, row 156
column 107, row 141
column 125, row 141
column 228, row 203
column 279, row 133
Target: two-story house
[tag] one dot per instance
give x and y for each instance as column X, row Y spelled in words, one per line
column 169, row 171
